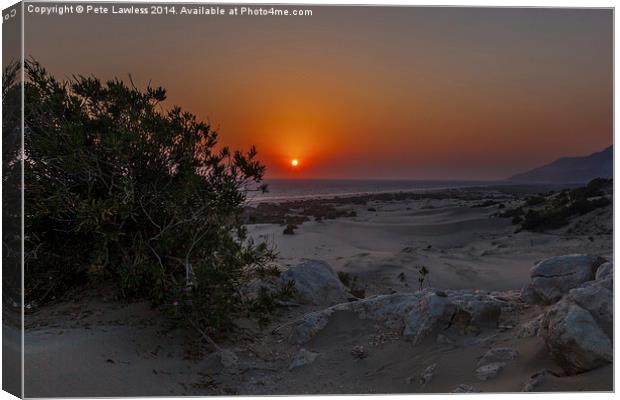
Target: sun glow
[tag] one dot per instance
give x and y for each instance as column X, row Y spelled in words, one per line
column 294, row 162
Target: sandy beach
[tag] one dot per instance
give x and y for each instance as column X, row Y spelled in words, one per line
column 91, row 344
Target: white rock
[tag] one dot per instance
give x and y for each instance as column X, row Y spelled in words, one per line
column 598, row 301
column 463, row 388
column 431, row 312
column 574, row 338
column 427, row 375
column 489, row 371
column 316, row 283
column 498, row 354
column 553, row 277
column 536, row 380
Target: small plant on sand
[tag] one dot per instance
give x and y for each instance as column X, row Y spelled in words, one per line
column 266, row 301
column 423, row 275
column 344, row 277
column 352, row 284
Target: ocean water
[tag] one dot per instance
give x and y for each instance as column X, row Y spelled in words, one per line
column 286, row 189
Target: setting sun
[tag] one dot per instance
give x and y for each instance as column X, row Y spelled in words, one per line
column 294, row 162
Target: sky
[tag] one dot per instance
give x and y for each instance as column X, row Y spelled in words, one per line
column 366, row 92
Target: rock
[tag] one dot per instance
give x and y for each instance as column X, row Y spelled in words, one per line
column 289, row 230
column 309, row 325
column 553, row 277
column 303, row 357
column 359, row 352
column 483, row 341
column 475, row 311
column 316, row 283
column 463, row 388
column 536, row 380
column 427, row 375
column 489, row 371
column 598, row 301
column 228, row 359
column 498, row 354
column 416, row 314
column 443, row 339
column 574, row 338
column 604, row 271
column 432, row 312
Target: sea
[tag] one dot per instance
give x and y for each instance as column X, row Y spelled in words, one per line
column 291, row 189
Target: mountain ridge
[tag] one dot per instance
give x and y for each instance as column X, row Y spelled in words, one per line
column 578, row 169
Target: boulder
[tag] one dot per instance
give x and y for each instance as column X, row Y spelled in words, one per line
column 303, row 357
column 574, row 338
column 498, row 354
column 553, row 277
column 604, row 271
column 316, row 283
column 598, row 301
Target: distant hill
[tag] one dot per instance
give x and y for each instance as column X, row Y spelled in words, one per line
column 571, row 169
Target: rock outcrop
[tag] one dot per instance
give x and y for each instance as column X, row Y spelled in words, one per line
column 575, row 304
column 417, row 315
column 578, row 329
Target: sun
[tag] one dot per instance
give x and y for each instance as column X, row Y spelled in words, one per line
column 294, row 162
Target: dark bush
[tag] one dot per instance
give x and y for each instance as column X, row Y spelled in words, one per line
column 546, row 219
column 535, row 200
column 119, row 188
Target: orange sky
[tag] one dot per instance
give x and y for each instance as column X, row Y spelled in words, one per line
column 367, row 92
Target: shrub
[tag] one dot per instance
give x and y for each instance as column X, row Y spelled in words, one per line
column 11, row 189
column 345, row 278
column 535, row 200
column 546, row 219
column 351, row 283
column 119, row 188
column 568, row 203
